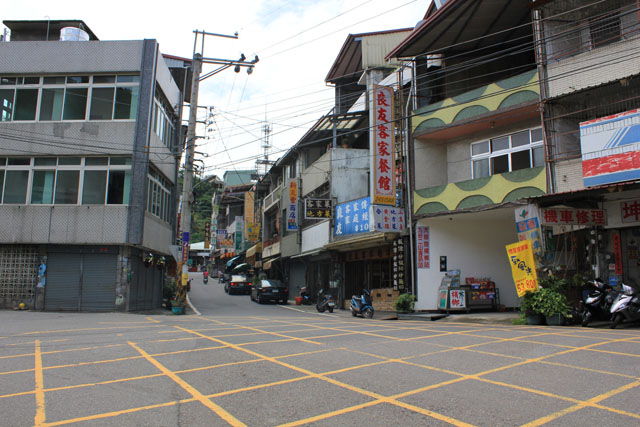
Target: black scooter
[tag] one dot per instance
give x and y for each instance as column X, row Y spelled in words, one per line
column 325, row 302
column 597, row 302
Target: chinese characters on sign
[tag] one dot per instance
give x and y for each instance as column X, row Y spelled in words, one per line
column 253, row 231
column 457, row 298
column 564, row 216
column 630, row 211
column 292, row 214
column 388, row 218
column 528, row 226
column 207, row 235
column 523, row 267
column 422, row 245
column 352, row 217
column 317, row 208
column 398, row 264
column 384, row 186
column 185, row 246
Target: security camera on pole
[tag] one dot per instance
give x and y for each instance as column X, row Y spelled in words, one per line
column 187, row 179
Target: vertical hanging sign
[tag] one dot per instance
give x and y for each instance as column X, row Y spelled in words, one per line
column 292, row 214
column 383, row 164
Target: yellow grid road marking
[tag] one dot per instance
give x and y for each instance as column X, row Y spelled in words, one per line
column 39, row 388
column 189, row 388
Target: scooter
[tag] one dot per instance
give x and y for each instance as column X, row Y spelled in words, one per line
column 325, row 302
column 597, row 302
column 306, row 298
column 626, row 306
column 205, row 277
column 361, row 305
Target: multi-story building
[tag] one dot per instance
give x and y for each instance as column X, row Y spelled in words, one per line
column 89, row 153
column 590, row 86
column 477, row 149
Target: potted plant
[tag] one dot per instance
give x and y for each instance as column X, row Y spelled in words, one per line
column 553, row 305
column 530, row 307
column 404, row 303
column 178, row 302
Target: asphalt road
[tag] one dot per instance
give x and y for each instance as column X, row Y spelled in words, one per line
column 240, row 363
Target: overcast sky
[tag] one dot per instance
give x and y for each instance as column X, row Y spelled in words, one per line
column 297, row 42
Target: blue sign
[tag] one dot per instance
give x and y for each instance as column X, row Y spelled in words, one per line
column 352, row 217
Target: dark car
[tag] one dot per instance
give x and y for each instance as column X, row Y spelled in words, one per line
column 269, row 290
column 238, row 284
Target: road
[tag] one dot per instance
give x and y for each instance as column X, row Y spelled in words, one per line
column 240, row 363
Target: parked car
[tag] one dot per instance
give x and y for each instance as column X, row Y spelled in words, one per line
column 269, row 290
column 238, row 284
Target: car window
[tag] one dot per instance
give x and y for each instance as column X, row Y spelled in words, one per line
column 238, row 278
column 271, row 283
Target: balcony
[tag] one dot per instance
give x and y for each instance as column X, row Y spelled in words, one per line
column 272, row 199
column 505, row 101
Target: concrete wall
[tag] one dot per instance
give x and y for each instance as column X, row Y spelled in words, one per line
column 63, row 224
column 68, row 138
column 157, row 234
column 349, row 174
column 315, row 237
column 33, row 57
column 606, row 64
column 473, row 243
column 289, row 245
column 315, row 175
column 568, row 175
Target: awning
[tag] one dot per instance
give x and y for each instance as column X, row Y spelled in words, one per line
column 267, row 264
column 309, row 253
column 255, row 249
column 360, row 242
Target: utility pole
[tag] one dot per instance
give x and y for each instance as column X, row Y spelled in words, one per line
column 187, row 178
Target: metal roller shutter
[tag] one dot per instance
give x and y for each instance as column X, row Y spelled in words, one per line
column 98, row 282
column 62, row 290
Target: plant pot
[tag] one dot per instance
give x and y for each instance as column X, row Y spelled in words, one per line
column 177, row 310
column 298, row 300
column 555, row 319
column 535, row 319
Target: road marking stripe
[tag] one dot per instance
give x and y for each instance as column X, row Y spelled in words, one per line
column 189, row 388
column 39, row 388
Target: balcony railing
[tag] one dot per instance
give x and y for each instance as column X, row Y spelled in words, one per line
column 272, row 198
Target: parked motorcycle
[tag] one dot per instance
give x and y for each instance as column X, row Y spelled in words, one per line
column 597, row 302
column 306, row 297
column 325, row 302
column 626, row 306
column 361, row 305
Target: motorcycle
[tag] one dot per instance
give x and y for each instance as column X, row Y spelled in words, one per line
column 325, row 302
column 597, row 302
column 626, row 306
column 306, row 297
column 362, row 304
column 205, row 277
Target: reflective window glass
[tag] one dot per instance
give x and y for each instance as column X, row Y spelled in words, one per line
column 1, row 183
column 128, row 79
column 94, row 187
column 69, row 161
column 520, row 160
column 96, row 161
column 15, row 191
column 480, row 148
column 115, row 161
column 42, row 187
column 480, row 168
column 77, row 79
column 501, row 143
column 126, row 103
column 31, row 80
column 6, row 104
column 536, row 135
column 51, row 104
column 538, row 156
column 118, row 190
column 67, row 187
column 45, row 161
column 519, row 139
column 75, row 104
column 54, row 80
column 26, row 101
column 101, row 103
column 104, row 79
column 19, row 161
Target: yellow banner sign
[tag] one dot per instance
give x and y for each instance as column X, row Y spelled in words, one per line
column 523, row 267
column 253, row 230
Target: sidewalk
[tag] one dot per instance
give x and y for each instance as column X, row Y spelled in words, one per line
column 479, row 317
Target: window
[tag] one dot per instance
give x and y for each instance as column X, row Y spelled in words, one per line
column 520, row 150
column 163, row 119
column 108, row 97
column 604, row 30
column 51, row 180
column 159, row 195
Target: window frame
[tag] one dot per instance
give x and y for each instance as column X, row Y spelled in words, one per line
column 509, row 151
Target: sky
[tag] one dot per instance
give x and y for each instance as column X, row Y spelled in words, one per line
column 296, row 41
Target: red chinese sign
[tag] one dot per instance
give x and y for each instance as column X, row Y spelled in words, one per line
column 630, row 211
column 422, row 244
column 384, row 184
column 564, row 216
column 617, row 251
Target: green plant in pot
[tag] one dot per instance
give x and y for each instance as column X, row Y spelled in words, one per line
column 553, row 305
column 404, row 303
column 530, row 307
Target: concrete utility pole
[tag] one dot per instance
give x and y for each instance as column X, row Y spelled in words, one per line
column 187, row 178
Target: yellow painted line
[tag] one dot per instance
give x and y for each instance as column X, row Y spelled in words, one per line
column 87, row 329
column 39, row 388
column 597, row 371
column 190, row 389
column 116, row 413
column 331, row 414
column 548, row 418
column 151, row 319
column 262, row 331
